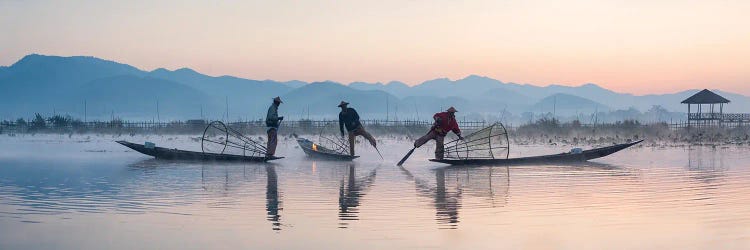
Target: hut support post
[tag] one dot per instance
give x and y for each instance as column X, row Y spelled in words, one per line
column 689, row 116
column 721, row 114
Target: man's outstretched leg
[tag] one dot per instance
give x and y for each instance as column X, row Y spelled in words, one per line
column 424, row 139
column 361, row 131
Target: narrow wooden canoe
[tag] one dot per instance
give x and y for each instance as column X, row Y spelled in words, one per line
column 176, row 154
column 544, row 159
column 322, row 152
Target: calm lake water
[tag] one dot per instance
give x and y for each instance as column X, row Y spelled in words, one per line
column 87, row 192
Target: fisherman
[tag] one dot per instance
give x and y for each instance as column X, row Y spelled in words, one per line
column 272, row 122
column 444, row 122
column 349, row 118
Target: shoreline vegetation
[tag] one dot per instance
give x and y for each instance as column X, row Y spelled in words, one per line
column 542, row 131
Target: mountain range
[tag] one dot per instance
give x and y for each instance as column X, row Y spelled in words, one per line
column 98, row 88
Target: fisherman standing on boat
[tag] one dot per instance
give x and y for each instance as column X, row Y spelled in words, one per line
column 350, row 119
column 272, row 122
column 444, row 122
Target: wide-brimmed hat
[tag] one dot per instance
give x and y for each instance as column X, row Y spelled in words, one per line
column 277, row 99
column 452, row 110
column 343, row 103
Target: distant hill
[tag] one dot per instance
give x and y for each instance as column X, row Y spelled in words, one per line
column 47, row 84
column 52, row 74
column 520, row 97
column 423, row 107
column 507, row 97
column 469, row 87
column 294, row 84
column 3, row 72
column 125, row 95
column 321, row 99
column 246, row 96
column 398, row 89
column 70, row 70
column 220, row 86
column 39, row 83
column 564, row 104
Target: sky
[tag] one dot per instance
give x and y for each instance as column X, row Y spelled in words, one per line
column 630, row 46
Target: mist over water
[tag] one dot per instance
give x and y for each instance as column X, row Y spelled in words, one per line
column 87, row 192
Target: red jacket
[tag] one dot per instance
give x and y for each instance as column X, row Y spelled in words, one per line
column 444, row 123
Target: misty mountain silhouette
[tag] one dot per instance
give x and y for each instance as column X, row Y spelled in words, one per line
column 117, row 93
column 564, row 104
column 323, row 97
column 398, row 89
column 43, row 84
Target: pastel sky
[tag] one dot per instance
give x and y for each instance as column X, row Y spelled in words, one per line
column 633, row 46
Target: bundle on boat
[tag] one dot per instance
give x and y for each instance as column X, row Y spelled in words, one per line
column 490, row 146
column 327, row 147
column 218, row 143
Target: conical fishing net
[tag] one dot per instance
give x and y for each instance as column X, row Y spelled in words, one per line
column 332, row 145
column 329, row 142
column 487, row 143
column 220, row 139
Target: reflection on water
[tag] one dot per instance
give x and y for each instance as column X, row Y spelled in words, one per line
column 273, row 204
column 642, row 193
column 707, row 164
column 351, row 190
column 446, row 195
column 250, row 174
column 447, row 203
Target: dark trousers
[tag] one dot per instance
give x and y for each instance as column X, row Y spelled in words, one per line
column 272, row 141
column 439, row 147
column 360, row 131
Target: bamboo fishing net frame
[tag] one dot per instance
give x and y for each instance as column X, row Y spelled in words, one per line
column 231, row 139
column 487, row 143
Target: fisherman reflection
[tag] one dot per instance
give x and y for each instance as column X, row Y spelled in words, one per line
column 447, row 198
column 350, row 192
column 446, row 202
column 273, row 204
column 229, row 182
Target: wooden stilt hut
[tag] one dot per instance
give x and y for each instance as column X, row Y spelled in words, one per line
column 705, row 114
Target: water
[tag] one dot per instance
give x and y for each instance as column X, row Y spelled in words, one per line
column 86, row 192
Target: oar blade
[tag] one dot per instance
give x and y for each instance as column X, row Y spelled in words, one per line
column 401, row 162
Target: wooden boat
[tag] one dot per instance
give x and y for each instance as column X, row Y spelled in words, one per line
column 570, row 157
column 176, row 154
column 314, row 150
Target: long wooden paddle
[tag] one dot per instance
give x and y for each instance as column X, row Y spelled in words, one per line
column 381, row 156
column 401, row 162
